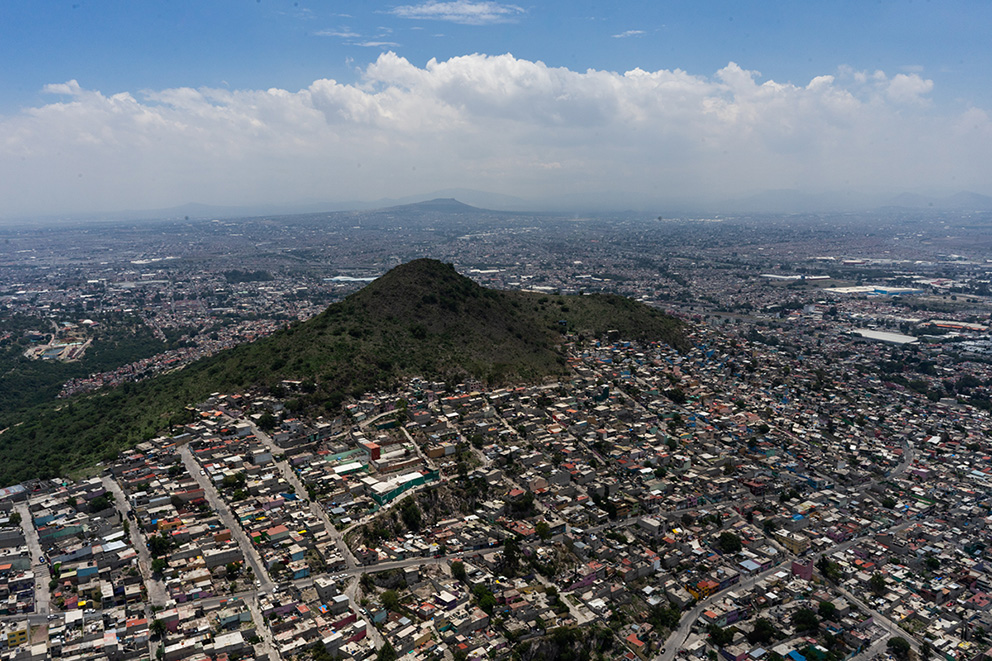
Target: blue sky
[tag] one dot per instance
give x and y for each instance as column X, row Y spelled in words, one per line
column 107, row 84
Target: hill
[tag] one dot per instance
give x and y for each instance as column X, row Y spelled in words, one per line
column 421, row 318
column 437, row 205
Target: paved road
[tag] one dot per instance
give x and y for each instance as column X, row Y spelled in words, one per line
column 908, row 454
column 878, row 647
column 416, row 446
column 677, row 638
column 267, row 647
column 42, row 595
column 315, row 507
column 891, row 627
column 247, row 549
column 157, row 594
column 353, row 588
column 219, row 506
column 368, row 421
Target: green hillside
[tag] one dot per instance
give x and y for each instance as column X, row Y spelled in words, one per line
column 421, row 318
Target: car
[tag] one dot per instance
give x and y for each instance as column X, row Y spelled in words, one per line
column 203, row 472
column 258, row 584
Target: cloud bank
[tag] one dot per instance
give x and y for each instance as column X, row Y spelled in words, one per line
column 493, row 123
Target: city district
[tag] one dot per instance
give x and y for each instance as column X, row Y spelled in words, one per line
column 707, row 504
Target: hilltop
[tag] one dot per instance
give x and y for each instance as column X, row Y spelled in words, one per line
column 421, row 318
column 437, row 205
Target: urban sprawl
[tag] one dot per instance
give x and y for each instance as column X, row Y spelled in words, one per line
column 811, row 480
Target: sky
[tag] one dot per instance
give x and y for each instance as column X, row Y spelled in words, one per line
column 107, row 106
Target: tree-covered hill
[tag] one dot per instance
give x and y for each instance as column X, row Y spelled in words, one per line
column 421, row 318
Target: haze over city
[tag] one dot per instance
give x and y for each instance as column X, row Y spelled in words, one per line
column 115, row 106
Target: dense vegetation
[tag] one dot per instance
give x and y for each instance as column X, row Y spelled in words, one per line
column 117, row 340
column 238, row 276
column 572, row 643
column 421, row 318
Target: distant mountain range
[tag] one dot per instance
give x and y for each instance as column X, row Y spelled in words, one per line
column 196, row 211
column 591, row 202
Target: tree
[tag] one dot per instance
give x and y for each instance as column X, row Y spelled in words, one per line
column 158, row 545
column 926, row 651
column 390, row 600
column 411, row 513
column 484, row 598
column 665, row 616
column 805, row 620
column 829, row 570
column 827, row 610
column 234, row 481
column 458, row 570
column 99, row 504
column 877, row 584
column 15, row 518
column 899, row 647
column 158, row 628
column 511, row 552
column 267, row 421
column 721, row 637
column 543, row 530
column 763, row 632
column 729, row 543
column 386, row 653
column 159, row 565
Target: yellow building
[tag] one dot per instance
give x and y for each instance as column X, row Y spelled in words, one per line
column 795, row 542
column 703, row 589
column 17, row 635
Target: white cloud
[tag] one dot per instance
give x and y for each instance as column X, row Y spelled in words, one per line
column 465, row 12
column 376, row 44
column 344, row 33
column 489, row 122
column 70, row 88
column 628, row 33
column 908, row 88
